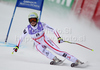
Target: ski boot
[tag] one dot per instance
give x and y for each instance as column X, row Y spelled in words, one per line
column 56, row 61
column 77, row 63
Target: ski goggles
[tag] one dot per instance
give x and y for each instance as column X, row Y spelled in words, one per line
column 33, row 20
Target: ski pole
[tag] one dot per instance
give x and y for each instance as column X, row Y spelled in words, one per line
column 79, row 45
column 13, row 52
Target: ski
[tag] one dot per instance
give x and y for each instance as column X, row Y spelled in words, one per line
column 85, row 64
column 58, row 63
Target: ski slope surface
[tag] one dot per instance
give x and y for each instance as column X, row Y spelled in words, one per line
column 69, row 27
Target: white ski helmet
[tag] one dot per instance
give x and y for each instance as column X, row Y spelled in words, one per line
column 33, row 15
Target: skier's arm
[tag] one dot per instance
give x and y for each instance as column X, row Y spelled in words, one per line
column 24, row 34
column 45, row 26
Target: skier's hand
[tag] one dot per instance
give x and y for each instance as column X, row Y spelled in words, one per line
column 16, row 48
column 60, row 40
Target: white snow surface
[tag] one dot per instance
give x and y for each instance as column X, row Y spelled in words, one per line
column 70, row 28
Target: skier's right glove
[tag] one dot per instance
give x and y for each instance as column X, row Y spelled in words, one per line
column 60, row 40
column 16, row 48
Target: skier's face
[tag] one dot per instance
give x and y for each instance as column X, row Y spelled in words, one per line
column 33, row 23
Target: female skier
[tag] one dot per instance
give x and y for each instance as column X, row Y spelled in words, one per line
column 36, row 30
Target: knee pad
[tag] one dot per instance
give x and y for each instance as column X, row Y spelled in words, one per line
column 64, row 55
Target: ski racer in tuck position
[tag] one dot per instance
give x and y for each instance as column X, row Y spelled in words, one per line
column 36, row 30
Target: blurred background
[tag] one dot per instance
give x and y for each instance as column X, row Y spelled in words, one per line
column 87, row 8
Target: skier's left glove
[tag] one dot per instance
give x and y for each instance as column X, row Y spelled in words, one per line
column 60, row 40
column 16, row 48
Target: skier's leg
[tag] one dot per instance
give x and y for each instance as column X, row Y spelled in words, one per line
column 51, row 45
column 42, row 50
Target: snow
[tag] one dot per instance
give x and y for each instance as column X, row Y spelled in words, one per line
column 69, row 27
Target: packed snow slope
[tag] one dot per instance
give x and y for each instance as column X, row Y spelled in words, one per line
column 69, row 27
